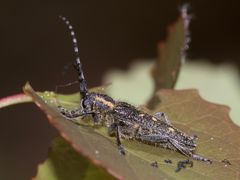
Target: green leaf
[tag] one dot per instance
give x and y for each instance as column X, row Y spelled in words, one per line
column 65, row 163
column 218, row 140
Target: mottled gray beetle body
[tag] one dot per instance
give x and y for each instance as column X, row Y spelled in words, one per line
column 125, row 121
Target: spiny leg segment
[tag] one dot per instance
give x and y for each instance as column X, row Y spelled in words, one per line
column 119, row 143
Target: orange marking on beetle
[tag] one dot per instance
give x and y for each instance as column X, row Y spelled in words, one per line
column 104, row 101
column 154, row 119
column 135, row 126
column 171, row 129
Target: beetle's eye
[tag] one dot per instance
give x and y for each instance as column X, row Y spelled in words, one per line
column 82, row 103
column 86, row 103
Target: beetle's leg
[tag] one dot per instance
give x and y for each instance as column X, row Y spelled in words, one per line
column 188, row 153
column 112, row 129
column 169, row 143
column 71, row 114
column 182, row 149
column 97, row 118
column 119, row 144
column 200, row 158
column 128, row 132
column 161, row 116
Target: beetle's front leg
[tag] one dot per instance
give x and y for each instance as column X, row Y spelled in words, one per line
column 71, row 114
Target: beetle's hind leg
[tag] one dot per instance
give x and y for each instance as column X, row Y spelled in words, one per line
column 200, row 158
column 189, row 153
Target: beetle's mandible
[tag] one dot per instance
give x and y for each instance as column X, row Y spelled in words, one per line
column 126, row 121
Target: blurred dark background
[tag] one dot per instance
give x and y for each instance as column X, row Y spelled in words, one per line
column 35, row 46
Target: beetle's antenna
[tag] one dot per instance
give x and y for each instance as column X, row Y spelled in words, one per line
column 78, row 65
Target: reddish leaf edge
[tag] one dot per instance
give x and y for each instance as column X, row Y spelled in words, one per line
column 29, row 91
column 14, row 99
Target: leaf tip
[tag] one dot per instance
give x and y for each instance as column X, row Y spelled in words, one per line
column 27, row 87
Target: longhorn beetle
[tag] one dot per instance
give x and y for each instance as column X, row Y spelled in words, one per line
column 125, row 121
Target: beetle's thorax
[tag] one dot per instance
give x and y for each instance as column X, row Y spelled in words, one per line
column 102, row 102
